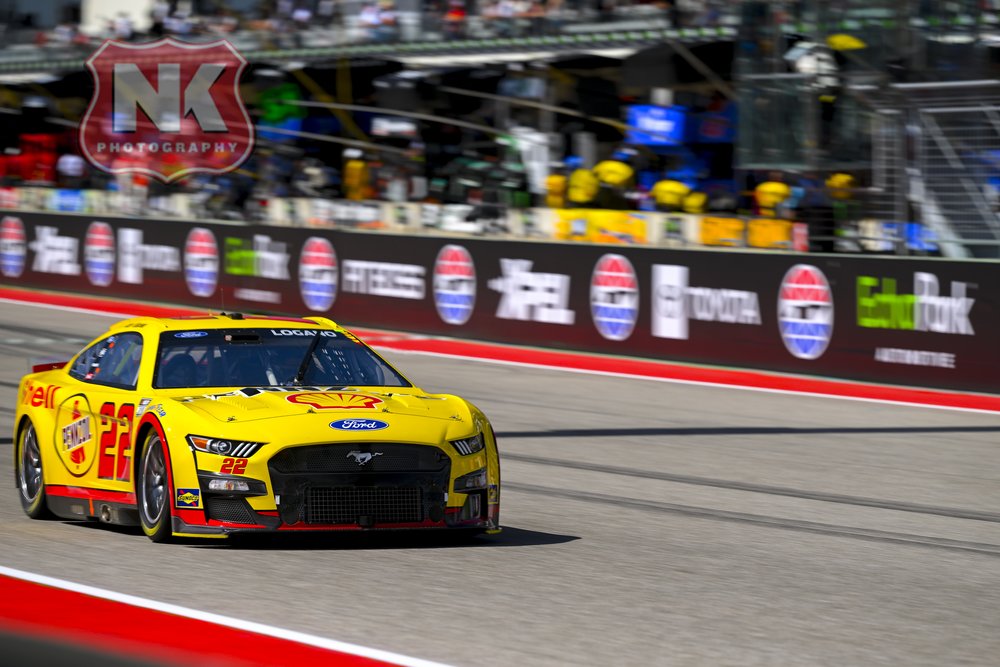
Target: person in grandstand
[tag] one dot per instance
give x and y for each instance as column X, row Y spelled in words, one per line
column 378, row 18
column 454, row 20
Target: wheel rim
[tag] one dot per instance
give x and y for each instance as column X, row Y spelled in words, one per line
column 154, row 482
column 30, row 465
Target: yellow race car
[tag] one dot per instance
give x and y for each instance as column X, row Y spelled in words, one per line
column 211, row 425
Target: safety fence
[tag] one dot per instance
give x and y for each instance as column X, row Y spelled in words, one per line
column 914, row 321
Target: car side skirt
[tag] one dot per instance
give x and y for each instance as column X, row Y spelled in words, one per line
column 85, row 504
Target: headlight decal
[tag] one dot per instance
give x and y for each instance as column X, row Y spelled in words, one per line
column 223, row 447
column 469, row 446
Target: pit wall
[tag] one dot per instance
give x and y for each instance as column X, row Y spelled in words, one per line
column 909, row 321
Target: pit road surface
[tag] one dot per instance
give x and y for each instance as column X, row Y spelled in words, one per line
column 646, row 523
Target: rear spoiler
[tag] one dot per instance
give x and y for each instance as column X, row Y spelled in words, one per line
column 47, row 366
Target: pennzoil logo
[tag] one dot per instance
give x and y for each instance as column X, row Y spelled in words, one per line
column 335, row 400
column 74, row 437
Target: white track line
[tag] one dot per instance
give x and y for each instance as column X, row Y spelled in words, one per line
column 218, row 619
column 698, row 383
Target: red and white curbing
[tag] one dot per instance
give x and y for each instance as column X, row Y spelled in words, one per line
column 44, row 607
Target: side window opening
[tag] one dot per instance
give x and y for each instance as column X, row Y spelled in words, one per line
column 112, row 361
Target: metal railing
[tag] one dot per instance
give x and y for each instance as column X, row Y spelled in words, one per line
column 416, row 34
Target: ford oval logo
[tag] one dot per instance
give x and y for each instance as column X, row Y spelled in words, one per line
column 358, row 425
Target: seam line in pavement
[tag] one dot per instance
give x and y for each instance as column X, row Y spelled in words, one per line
column 900, row 506
column 763, row 520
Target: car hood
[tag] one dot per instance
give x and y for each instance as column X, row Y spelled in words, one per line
column 253, row 404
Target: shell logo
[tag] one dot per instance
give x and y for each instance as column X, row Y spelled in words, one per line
column 335, row 400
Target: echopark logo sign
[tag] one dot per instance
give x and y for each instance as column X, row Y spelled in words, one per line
column 166, row 109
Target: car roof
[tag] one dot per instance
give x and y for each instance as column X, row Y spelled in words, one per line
column 225, row 321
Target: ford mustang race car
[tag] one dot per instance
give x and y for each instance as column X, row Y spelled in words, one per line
column 211, row 425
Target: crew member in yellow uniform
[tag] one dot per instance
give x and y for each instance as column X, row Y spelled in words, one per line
column 356, row 179
column 841, row 189
column 583, row 185
column 555, row 188
column 840, row 186
column 615, row 176
column 614, row 172
column 696, row 202
column 669, row 195
column 769, row 194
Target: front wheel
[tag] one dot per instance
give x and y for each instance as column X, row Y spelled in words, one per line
column 153, row 490
column 28, row 471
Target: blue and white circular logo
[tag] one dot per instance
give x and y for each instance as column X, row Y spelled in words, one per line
column 99, row 254
column 805, row 311
column 357, row 424
column 318, row 274
column 13, row 247
column 201, row 262
column 191, row 334
column 454, row 284
column 614, row 297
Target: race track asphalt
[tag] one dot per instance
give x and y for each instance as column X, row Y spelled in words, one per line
column 645, row 523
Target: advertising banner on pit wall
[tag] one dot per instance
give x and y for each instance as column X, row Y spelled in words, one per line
column 919, row 322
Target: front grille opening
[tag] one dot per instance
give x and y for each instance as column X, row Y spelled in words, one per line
column 235, row 510
column 359, row 458
column 364, row 505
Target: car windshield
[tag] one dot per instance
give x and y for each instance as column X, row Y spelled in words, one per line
column 268, row 357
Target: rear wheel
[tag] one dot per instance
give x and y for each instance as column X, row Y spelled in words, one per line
column 28, row 470
column 153, row 490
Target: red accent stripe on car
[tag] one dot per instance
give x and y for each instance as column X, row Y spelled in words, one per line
column 86, row 493
column 191, row 517
column 355, row 528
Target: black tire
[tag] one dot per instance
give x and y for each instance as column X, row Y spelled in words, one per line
column 28, row 474
column 152, row 490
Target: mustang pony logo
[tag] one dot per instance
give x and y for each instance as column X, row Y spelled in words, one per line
column 335, row 400
column 166, row 109
column 362, row 457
